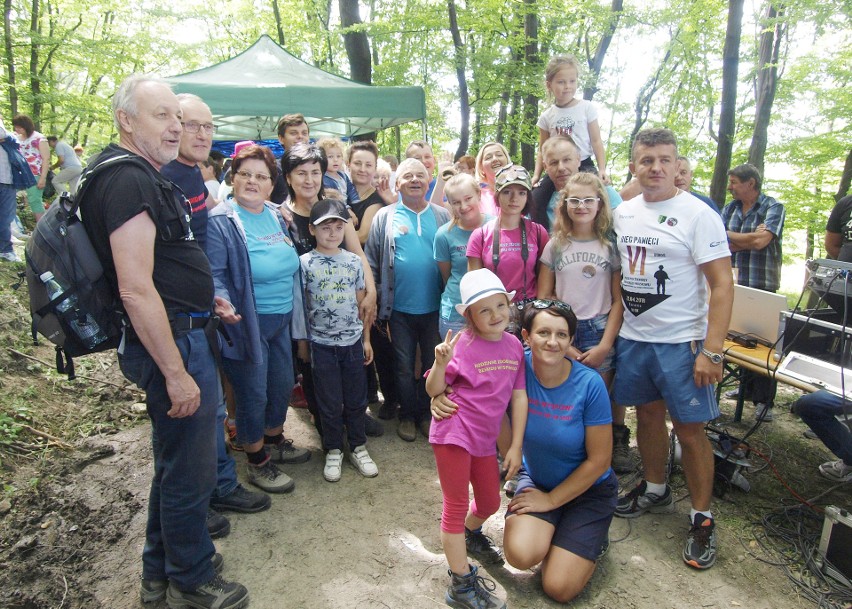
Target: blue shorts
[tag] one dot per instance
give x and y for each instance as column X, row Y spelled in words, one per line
column 581, row 525
column 589, row 334
column 648, row 372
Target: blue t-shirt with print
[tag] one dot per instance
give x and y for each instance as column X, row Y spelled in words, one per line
column 555, row 436
column 273, row 259
column 417, row 280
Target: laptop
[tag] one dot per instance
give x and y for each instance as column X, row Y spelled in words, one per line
column 819, row 373
column 757, row 314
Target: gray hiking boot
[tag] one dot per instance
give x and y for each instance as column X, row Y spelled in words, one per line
column 215, row 594
column 623, row 461
column 472, row 592
column 154, row 590
column 270, row 478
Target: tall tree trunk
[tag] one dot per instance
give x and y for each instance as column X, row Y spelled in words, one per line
column 502, row 116
column 356, row 42
column 461, row 66
column 278, row 27
column 35, row 78
column 10, row 56
column 514, row 127
column 532, row 63
column 727, row 115
column 767, row 82
column 595, row 62
column 845, row 178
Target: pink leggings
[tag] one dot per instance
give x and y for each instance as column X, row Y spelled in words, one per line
column 456, row 469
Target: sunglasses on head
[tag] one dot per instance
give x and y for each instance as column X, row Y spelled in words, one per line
column 548, row 304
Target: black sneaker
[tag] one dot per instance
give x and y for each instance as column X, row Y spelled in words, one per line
column 217, row 525
column 217, row 593
column 154, row 590
column 372, row 427
column 637, row 502
column 480, row 546
column 700, row 549
column 241, row 500
column 387, row 411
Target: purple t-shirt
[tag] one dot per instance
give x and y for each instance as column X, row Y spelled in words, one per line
column 482, row 376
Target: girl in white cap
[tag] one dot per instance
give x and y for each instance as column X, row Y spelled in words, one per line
column 482, row 369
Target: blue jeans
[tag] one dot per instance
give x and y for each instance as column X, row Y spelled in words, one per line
column 446, row 324
column 262, row 390
column 8, row 208
column 226, row 467
column 407, row 332
column 177, row 545
column 340, row 367
column 589, row 334
column 819, row 411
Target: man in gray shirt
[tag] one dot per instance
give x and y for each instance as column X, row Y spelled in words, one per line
column 69, row 164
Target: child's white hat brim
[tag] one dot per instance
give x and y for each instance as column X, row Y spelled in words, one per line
column 479, row 284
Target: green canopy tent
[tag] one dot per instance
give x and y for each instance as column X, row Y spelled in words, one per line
column 249, row 93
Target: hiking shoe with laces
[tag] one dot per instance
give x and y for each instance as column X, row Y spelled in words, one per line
column 623, row 461
column 362, row 461
column 215, row 594
column 217, row 525
column 285, row 452
column 333, row 465
column 270, row 478
column 836, row 471
column 472, row 591
column 10, row 257
column 241, row 500
column 700, row 549
column 763, row 412
column 154, row 590
column 480, row 546
column 637, row 502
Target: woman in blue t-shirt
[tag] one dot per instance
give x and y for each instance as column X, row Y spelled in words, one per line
column 256, row 268
column 562, row 509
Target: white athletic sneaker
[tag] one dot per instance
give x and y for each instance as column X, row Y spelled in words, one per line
column 10, row 257
column 333, row 465
column 362, row 461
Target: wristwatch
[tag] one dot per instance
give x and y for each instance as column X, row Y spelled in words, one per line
column 716, row 358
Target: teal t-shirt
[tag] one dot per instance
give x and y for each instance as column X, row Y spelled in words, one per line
column 273, row 261
column 417, row 280
column 451, row 246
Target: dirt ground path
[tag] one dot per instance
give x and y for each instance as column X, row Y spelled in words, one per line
column 375, row 542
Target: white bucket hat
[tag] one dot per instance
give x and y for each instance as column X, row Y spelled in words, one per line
column 479, row 284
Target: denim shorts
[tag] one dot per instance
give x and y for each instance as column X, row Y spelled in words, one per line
column 648, row 372
column 589, row 334
column 582, row 524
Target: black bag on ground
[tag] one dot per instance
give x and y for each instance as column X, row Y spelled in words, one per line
column 76, row 308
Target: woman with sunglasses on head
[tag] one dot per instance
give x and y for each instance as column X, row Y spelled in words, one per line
column 510, row 246
column 580, row 266
column 256, row 269
column 567, row 492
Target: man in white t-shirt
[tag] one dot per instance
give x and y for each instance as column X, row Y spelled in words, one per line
column 669, row 347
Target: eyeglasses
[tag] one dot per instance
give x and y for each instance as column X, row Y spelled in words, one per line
column 550, row 304
column 247, row 175
column 588, row 202
column 194, row 126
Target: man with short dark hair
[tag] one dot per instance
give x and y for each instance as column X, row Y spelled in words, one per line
column 669, row 347
column 754, row 223
column 292, row 129
column 139, row 227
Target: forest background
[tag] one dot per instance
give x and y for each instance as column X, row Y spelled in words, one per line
column 757, row 81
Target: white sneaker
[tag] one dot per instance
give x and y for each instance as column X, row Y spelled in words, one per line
column 333, row 465
column 362, row 461
column 836, row 471
column 10, row 257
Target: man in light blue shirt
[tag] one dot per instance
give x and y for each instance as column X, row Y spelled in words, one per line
column 68, row 164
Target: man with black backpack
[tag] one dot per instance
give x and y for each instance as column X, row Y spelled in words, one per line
column 139, row 227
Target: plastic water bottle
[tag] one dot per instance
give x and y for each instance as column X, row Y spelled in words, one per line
column 83, row 324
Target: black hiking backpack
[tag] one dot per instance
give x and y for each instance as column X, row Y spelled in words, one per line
column 60, row 245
